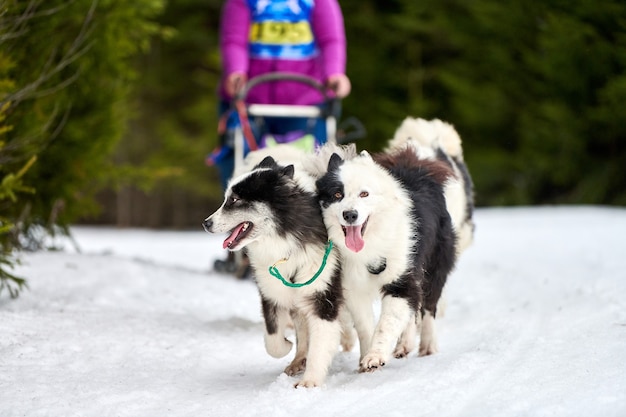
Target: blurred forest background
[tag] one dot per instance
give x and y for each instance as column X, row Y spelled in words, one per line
column 108, row 107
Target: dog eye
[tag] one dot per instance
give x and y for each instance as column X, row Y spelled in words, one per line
column 338, row 195
column 364, row 194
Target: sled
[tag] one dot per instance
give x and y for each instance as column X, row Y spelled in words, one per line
column 237, row 125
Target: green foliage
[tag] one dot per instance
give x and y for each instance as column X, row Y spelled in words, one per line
column 535, row 89
column 175, row 126
column 11, row 186
column 174, row 123
column 69, row 103
column 65, row 80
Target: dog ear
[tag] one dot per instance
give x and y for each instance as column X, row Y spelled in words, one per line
column 267, row 162
column 288, row 171
column 365, row 154
column 335, row 162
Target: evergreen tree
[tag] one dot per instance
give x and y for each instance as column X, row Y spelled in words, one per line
column 535, row 89
column 175, row 125
column 65, row 79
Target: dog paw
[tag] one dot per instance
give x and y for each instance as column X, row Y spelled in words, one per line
column 372, row 362
column 348, row 340
column 427, row 349
column 428, row 337
column 307, row 383
column 277, row 346
column 401, row 352
column 296, row 367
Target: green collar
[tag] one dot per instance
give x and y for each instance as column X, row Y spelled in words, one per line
column 275, row 273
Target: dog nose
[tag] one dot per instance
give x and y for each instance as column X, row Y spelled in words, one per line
column 207, row 224
column 350, row 216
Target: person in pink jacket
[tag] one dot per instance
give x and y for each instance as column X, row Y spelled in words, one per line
column 297, row 36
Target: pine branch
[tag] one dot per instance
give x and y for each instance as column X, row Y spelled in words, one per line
column 77, row 49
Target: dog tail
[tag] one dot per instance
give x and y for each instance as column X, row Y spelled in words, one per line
column 449, row 139
column 427, row 138
column 435, row 139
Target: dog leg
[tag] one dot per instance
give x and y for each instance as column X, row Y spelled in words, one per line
column 324, row 338
column 276, row 321
column 465, row 236
column 428, row 336
column 442, row 304
column 360, row 307
column 298, row 365
column 406, row 344
column 347, row 330
column 394, row 318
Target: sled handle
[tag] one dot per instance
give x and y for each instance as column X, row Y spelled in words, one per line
column 283, row 76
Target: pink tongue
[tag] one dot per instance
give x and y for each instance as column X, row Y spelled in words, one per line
column 354, row 240
column 229, row 240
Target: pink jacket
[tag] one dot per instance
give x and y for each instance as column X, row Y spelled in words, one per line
column 256, row 39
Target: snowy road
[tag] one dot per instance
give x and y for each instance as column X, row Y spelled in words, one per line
column 137, row 325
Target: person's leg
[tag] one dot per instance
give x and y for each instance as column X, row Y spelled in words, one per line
column 225, row 160
column 226, row 167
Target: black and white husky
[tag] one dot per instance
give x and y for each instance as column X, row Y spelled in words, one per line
column 273, row 212
column 390, row 218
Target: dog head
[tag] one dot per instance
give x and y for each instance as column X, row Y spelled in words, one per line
column 248, row 211
column 349, row 193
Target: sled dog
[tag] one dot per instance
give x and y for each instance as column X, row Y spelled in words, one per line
column 272, row 211
column 389, row 217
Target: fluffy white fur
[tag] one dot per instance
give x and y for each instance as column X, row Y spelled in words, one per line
column 384, row 205
column 425, row 137
column 384, row 196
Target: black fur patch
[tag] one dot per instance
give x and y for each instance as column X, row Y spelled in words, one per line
column 269, row 314
column 442, row 156
column 267, row 162
column 469, row 188
column 296, row 211
column 334, row 163
column 435, row 250
column 330, row 188
column 328, row 303
column 377, row 267
column 406, row 286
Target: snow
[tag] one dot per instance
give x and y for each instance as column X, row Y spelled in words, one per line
column 137, row 325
